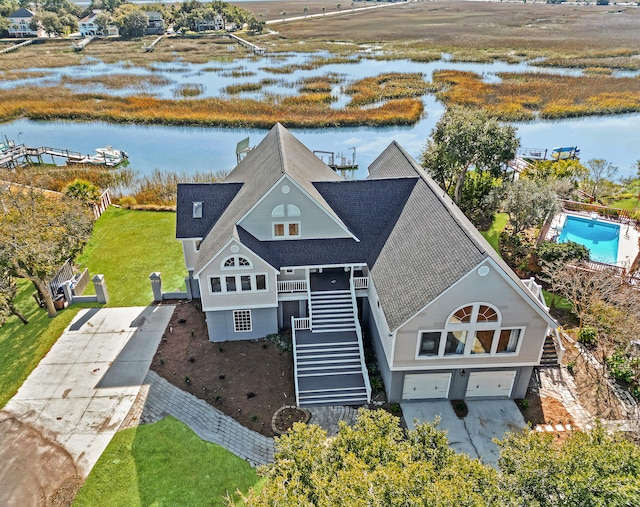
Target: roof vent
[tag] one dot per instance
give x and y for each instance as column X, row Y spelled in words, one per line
column 197, row 210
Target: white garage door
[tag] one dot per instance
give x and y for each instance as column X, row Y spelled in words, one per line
column 427, row 385
column 490, row 383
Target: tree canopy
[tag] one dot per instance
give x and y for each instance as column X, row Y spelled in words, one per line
column 466, row 139
column 38, row 233
column 375, row 463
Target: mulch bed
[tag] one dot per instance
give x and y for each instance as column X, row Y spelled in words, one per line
column 247, row 380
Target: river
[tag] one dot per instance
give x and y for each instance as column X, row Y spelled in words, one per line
column 190, row 149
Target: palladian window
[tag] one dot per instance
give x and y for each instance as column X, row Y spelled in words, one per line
column 473, row 329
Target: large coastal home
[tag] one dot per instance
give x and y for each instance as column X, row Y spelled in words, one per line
column 155, row 23
column 285, row 242
column 89, row 27
column 19, row 22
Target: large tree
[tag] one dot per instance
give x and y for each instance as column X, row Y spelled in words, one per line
column 8, row 291
column 600, row 172
column 38, row 233
column 465, row 139
column 528, row 203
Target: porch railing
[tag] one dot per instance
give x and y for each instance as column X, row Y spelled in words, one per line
column 303, row 323
column 557, row 340
column 360, row 282
column 616, row 214
column 292, row 286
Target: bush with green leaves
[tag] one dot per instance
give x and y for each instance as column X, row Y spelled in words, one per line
column 623, row 368
column 549, row 251
column 588, row 336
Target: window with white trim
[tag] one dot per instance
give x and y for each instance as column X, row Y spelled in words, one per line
column 242, row 321
column 251, row 282
column 471, row 330
column 285, row 228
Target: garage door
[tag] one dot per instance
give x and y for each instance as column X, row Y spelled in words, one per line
column 490, row 383
column 427, row 385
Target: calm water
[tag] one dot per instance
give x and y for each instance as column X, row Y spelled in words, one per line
column 613, row 138
column 601, row 238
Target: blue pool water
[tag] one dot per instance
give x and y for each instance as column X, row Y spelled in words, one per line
column 601, row 238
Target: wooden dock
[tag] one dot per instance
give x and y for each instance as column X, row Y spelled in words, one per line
column 151, row 46
column 82, row 44
column 12, row 156
column 256, row 49
column 16, row 46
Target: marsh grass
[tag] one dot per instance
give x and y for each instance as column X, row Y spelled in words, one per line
column 160, row 187
column 523, row 96
column 15, row 75
column 61, row 103
column 242, row 88
column 392, row 85
column 188, row 90
column 117, row 81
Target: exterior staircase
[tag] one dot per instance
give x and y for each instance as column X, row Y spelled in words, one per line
column 329, row 362
column 549, row 353
column 331, row 311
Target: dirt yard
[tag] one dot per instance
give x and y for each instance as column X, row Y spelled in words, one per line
column 247, row 380
column 40, row 472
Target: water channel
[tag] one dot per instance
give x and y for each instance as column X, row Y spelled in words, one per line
column 190, row 149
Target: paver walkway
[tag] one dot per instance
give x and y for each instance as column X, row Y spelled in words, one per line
column 163, row 398
column 558, row 383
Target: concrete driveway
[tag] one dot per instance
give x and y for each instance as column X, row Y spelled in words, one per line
column 473, row 435
column 79, row 394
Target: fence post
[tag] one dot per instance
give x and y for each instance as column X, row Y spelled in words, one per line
column 68, row 293
column 156, row 285
column 101, row 289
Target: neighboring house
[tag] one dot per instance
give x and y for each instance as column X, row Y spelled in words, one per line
column 217, row 23
column 88, row 26
column 285, row 242
column 155, row 23
column 19, row 24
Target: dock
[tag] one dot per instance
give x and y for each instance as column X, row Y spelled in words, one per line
column 151, row 46
column 338, row 162
column 82, row 44
column 16, row 46
column 256, row 49
column 13, row 155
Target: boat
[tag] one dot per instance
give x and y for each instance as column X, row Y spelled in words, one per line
column 565, row 153
column 109, row 152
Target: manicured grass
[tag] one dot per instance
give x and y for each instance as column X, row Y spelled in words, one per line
column 22, row 346
column 492, row 235
column 165, row 463
column 127, row 246
column 628, row 204
column 553, row 301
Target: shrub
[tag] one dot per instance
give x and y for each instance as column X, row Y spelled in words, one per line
column 376, row 384
column 571, row 366
column 623, row 368
column 523, row 404
column 588, row 336
column 127, row 201
column 549, row 251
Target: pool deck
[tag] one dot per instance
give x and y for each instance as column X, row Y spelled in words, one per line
column 628, row 246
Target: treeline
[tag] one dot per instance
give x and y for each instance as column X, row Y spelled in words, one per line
column 60, row 17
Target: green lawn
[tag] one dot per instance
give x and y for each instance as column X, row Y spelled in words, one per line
column 22, row 346
column 165, row 463
column 127, row 246
column 492, row 235
column 628, row 204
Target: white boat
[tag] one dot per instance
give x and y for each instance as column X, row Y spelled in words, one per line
column 110, row 152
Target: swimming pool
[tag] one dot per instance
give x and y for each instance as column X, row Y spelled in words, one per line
column 601, row 238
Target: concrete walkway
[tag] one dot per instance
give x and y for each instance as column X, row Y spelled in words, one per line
column 558, row 383
column 80, row 393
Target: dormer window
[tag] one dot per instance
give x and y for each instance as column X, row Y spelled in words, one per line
column 197, row 209
column 285, row 228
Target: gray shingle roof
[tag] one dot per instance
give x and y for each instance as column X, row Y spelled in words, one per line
column 393, row 162
column 215, row 197
column 279, row 153
column 21, row 13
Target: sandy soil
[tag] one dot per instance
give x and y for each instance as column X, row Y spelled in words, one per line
column 34, row 471
column 531, row 25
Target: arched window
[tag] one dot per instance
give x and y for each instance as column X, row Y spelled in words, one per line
column 286, row 224
column 470, row 330
column 293, row 211
column 278, row 211
column 236, row 261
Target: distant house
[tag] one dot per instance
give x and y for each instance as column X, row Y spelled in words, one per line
column 19, row 24
column 88, row 26
column 217, row 23
column 155, row 23
column 283, row 242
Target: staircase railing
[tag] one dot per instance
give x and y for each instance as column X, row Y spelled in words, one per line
column 310, row 305
column 295, row 358
column 557, row 340
column 363, row 365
